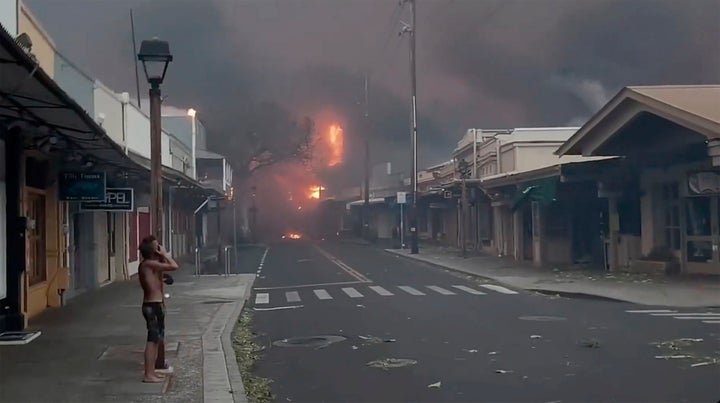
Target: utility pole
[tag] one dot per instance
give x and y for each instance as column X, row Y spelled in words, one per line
column 156, row 206
column 414, row 249
column 366, row 204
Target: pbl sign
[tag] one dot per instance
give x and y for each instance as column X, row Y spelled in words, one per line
column 116, row 199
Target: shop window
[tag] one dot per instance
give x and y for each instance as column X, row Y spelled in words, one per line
column 671, row 214
column 37, row 272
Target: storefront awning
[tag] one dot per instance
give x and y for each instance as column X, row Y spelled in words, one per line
column 30, row 97
column 543, row 191
column 177, row 178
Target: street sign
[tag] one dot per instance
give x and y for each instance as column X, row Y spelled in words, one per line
column 401, row 197
column 81, row 186
column 116, row 199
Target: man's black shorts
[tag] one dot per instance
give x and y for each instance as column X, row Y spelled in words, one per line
column 154, row 314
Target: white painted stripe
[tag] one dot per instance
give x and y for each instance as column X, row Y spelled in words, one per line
column 278, row 308
column 322, row 294
column 352, row 293
column 498, row 288
column 712, row 321
column 292, row 296
column 380, row 290
column 468, row 290
column 440, row 290
column 410, row 290
column 693, row 317
column 687, row 314
column 262, row 298
column 650, row 311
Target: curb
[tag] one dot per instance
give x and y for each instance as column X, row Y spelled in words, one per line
column 237, row 385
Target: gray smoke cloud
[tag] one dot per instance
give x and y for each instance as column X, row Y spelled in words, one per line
column 493, row 63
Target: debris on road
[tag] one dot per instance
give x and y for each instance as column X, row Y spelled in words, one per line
column 360, row 306
column 472, row 351
column 354, row 347
column 435, row 385
column 387, row 363
column 535, row 336
column 246, row 352
column 375, row 340
column 504, row 371
column 592, row 343
column 673, row 357
column 492, row 353
column 705, row 363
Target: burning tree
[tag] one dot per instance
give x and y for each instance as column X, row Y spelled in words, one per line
column 267, row 134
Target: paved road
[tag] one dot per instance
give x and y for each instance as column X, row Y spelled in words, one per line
column 479, row 341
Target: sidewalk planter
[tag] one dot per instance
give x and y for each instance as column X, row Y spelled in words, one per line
column 654, row 267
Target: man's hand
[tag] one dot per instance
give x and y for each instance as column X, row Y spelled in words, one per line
column 162, row 250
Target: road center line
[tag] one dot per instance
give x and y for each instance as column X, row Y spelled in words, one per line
column 650, row 311
column 344, row 267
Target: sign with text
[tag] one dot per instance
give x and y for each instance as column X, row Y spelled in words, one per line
column 82, row 186
column 401, row 197
column 116, row 199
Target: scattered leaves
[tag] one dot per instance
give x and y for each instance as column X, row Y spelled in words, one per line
column 246, row 352
column 388, row 363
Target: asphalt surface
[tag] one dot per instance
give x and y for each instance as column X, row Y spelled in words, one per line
column 481, row 343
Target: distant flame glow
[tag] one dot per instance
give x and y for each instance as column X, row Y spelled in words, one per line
column 335, row 141
column 315, row 191
column 293, row 235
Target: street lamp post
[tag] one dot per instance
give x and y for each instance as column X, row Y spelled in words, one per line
column 155, row 57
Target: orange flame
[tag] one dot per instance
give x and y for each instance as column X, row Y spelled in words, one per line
column 315, row 191
column 335, row 141
column 293, row 235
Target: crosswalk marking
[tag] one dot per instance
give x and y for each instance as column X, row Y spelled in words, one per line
column 440, row 290
column 705, row 317
column 410, row 290
column 362, row 291
column 352, row 293
column 380, row 290
column 498, row 288
column 292, row 296
column 262, row 298
column 322, row 294
column 468, row 290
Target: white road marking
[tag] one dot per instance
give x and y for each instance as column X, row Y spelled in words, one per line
column 410, row 290
column 262, row 298
column 352, row 293
column 380, row 290
column 694, row 317
column 277, row 308
column 712, row 321
column 468, row 290
column 347, row 269
column 686, row 314
column 498, row 288
column 322, row 294
column 651, row 311
column 292, row 296
column 440, row 290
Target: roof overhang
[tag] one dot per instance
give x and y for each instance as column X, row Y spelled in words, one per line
column 692, row 107
column 29, row 95
column 176, row 178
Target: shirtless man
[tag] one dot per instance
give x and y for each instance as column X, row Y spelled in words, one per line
column 155, row 262
column 161, row 365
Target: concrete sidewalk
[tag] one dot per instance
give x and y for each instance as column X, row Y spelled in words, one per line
column 630, row 287
column 91, row 350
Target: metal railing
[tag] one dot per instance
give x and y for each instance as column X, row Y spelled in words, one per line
column 197, row 262
column 227, row 260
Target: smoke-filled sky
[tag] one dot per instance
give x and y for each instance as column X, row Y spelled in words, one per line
column 481, row 63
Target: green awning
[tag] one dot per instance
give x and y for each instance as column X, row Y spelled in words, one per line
column 543, row 191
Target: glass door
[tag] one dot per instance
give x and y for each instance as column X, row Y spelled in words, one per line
column 702, row 237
